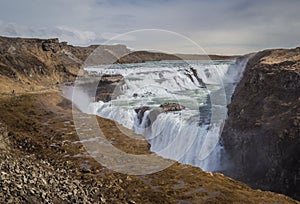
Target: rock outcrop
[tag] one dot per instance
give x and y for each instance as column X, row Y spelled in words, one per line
column 262, row 133
column 32, row 64
column 167, row 107
column 155, row 111
column 108, row 87
column 192, row 73
column 163, row 108
column 140, row 112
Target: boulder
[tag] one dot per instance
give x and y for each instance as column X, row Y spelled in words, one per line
column 111, row 78
column 167, row 107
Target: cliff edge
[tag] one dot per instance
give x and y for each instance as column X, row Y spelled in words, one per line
column 262, row 133
column 28, row 64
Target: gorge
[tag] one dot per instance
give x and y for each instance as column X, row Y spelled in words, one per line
column 205, row 89
column 44, row 160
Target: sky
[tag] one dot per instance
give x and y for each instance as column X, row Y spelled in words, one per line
column 178, row 26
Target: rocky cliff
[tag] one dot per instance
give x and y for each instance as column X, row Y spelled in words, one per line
column 262, row 133
column 28, row 64
column 42, row 159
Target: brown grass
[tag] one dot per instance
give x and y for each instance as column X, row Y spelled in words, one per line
column 41, row 125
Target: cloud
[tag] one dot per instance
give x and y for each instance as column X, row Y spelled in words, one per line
column 73, row 36
column 121, row 38
column 233, row 27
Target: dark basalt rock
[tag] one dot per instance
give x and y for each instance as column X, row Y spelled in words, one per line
column 163, row 108
column 200, row 81
column 151, row 117
column 193, row 72
column 142, row 109
column 262, row 133
column 140, row 112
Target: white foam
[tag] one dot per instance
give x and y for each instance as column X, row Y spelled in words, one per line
column 174, row 135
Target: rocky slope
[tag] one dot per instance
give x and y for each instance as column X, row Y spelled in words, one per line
column 43, row 161
column 28, row 64
column 262, row 132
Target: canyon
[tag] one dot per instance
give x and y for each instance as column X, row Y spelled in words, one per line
column 43, row 160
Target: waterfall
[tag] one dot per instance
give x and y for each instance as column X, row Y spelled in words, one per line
column 190, row 135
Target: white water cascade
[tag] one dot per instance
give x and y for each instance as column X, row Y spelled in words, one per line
column 190, row 135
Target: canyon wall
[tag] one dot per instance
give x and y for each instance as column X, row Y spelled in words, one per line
column 32, row 64
column 262, row 133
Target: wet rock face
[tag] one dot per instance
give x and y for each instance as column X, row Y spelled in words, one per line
column 108, row 87
column 103, row 88
column 193, row 72
column 154, row 112
column 262, row 133
column 140, row 112
column 151, row 117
